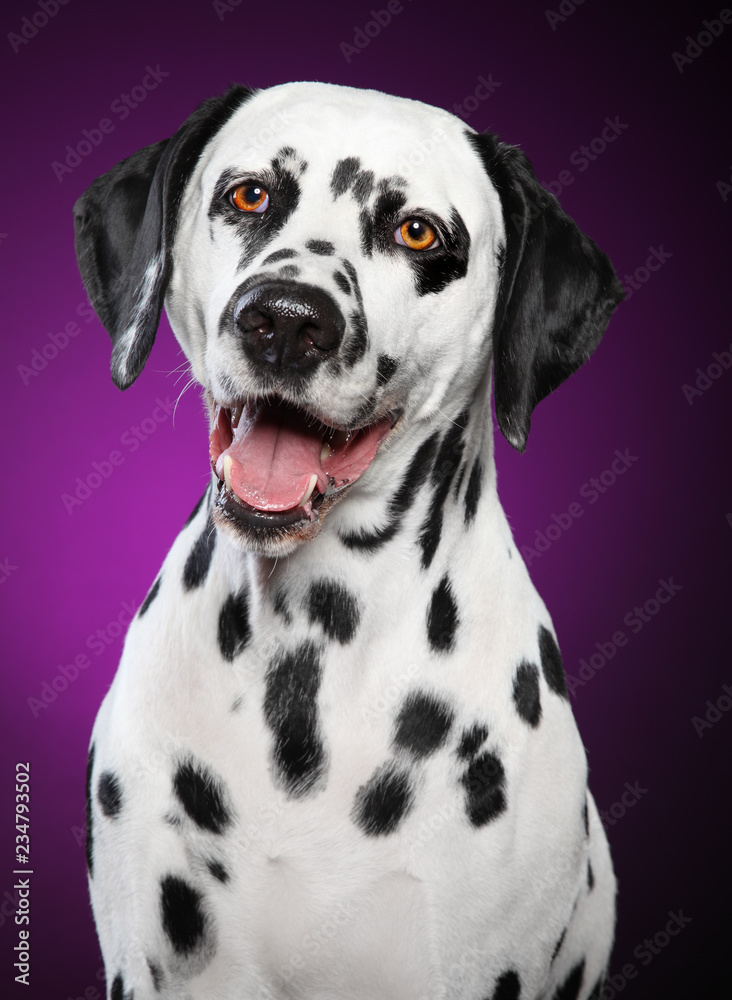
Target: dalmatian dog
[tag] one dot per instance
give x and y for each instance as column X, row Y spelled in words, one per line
column 338, row 759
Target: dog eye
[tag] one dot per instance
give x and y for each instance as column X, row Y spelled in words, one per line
column 249, row 198
column 417, row 235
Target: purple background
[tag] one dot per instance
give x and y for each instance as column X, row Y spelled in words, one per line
column 68, row 574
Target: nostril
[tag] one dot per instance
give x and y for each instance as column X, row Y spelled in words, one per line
column 251, row 320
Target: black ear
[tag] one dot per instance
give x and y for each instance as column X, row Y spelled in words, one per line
column 557, row 292
column 125, row 226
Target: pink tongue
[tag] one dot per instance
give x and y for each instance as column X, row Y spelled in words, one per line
column 276, row 452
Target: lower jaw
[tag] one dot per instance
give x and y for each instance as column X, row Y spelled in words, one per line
column 233, row 509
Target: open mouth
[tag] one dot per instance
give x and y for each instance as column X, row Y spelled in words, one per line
column 276, row 463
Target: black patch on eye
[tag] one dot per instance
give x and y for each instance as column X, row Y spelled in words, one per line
column 198, row 506
column 378, row 224
column 446, row 465
column 526, row 695
column 508, row 986
column 400, row 503
column 278, row 255
column 570, row 988
column 256, row 230
column 321, row 247
column 109, row 794
column 217, row 870
column 344, row 174
column 289, row 271
column 291, row 712
column 156, row 974
column 435, row 269
column 383, row 802
column 199, row 558
column 333, row 607
column 386, row 366
column 184, row 920
column 89, row 847
column 202, row 795
column 485, row 784
column 342, row 281
column 471, row 741
column 473, row 491
column 559, row 944
column 442, row 618
column 551, row 662
column 422, row 724
column 358, row 340
column 234, row 628
column 152, row 594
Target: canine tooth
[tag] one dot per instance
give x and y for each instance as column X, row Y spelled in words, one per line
column 326, row 452
column 236, row 415
column 309, row 491
column 228, row 461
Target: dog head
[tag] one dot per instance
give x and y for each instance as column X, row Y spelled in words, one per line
column 338, row 265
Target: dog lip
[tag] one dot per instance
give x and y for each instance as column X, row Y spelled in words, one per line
column 233, row 507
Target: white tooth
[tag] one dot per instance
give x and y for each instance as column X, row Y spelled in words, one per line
column 326, row 452
column 236, row 415
column 309, row 491
column 228, row 461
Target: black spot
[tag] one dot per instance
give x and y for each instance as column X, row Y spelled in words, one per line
column 508, row 986
column 377, row 225
column 109, row 794
column 184, row 921
column 280, row 607
column 344, row 174
column 526, row 695
column 197, row 507
column 459, row 481
column 279, row 255
column 485, row 783
column 473, row 491
column 321, row 247
column 422, row 724
column 202, row 795
column 234, row 629
column 118, row 989
column 351, row 272
column 217, row 870
column 335, row 608
column 586, row 819
column 590, row 877
column 446, row 465
column 471, row 741
column 291, row 712
column 289, row 271
column 559, row 944
column 400, row 503
column 89, row 813
column 383, row 801
column 156, row 973
column 153, row 593
column 358, row 340
column 385, row 368
column 442, row 618
column 199, row 558
column 342, row 281
column 362, row 186
column 435, row 269
column 598, row 989
column 569, row 990
column 551, row 662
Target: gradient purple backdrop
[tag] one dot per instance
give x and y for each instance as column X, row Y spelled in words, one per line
column 68, row 575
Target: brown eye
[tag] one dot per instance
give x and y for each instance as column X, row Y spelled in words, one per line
column 417, row 235
column 249, row 198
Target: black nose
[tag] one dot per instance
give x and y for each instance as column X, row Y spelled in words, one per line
column 288, row 325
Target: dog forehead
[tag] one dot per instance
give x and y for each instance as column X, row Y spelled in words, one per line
column 323, row 124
